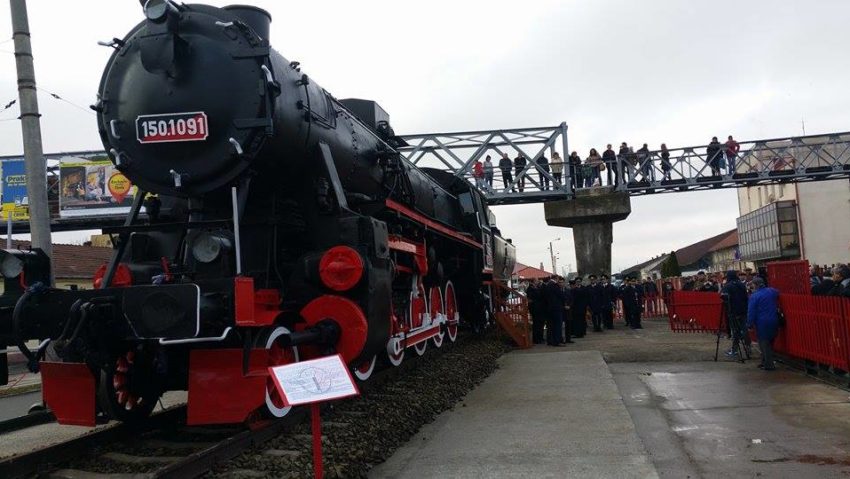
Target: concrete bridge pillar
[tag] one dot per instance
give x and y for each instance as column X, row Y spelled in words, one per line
column 591, row 215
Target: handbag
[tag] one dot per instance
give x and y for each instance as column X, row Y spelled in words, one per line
column 601, row 166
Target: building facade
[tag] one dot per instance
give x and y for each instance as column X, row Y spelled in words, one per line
column 804, row 220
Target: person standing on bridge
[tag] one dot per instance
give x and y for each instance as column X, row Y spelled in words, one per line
column 519, row 166
column 647, row 172
column 666, row 166
column 575, row 170
column 506, row 165
column 596, row 166
column 762, row 313
column 610, row 159
column 622, row 165
column 542, row 170
column 478, row 174
column 713, row 156
column 488, row 173
column 557, row 165
column 732, row 149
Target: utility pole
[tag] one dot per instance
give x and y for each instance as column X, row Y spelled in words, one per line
column 552, row 255
column 36, row 167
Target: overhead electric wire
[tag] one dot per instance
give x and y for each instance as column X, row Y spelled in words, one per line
column 57, row 97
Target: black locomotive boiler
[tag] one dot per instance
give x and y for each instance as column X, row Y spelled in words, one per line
column 272, row 223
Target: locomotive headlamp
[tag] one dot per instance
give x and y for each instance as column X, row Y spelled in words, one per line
column 10, row 266
column 207, row 247
column 22, row 267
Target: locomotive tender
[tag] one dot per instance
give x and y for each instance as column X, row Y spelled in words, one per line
column 279, row 224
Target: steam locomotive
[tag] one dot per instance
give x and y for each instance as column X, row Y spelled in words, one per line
column 272, row 223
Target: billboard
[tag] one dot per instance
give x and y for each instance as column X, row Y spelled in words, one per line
column 92, row 187
column 14, row 190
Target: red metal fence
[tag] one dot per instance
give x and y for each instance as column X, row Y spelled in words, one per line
column 817, row 328
column 789, row 277
column 694, row 312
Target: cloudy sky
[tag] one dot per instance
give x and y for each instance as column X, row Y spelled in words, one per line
column 638, row 71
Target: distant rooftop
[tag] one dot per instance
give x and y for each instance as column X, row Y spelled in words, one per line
column 71, row 261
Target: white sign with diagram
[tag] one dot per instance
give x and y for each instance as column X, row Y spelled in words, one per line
column 312, row 381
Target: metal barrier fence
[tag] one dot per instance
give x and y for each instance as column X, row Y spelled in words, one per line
column 817, row 328
column 694, row 312
column 789, row 277
column 511, row 311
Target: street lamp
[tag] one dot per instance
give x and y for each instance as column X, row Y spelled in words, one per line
column 552, row 255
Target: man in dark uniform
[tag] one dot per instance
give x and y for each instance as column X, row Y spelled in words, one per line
column 566, row 313
column 609, row 295
column 579, row 309
column 650, row 291
column 535, row 303
column 555, row 302
column 641, row 292
column 594, row 295
column 631, row 304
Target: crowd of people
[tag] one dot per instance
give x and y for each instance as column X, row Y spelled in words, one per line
column 560, row 309
column 630, row 164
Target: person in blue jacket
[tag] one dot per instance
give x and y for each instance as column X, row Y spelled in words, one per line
column 762, row 313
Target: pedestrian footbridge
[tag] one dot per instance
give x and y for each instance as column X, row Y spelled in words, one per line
column 762, row 161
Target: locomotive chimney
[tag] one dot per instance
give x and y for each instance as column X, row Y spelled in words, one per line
column 258, row 19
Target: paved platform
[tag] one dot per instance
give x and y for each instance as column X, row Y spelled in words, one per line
column 660, row 407
column 546, row 413
column 726, row 419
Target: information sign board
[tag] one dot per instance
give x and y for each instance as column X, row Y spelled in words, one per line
column 316, row 380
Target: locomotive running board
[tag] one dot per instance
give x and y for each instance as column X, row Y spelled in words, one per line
column 418, row 336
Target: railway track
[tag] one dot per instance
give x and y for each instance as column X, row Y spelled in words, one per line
column 29, row 420
column 164, row 447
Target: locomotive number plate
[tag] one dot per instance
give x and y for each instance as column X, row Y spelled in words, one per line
column 170, row 127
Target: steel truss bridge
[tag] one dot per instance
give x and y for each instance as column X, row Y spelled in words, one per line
column 758, row 162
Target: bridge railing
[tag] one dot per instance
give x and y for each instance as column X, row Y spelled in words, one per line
column 760, row 161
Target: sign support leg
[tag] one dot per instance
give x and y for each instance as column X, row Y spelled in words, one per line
column 316, row 420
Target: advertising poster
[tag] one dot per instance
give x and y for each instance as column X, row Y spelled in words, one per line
column 14, row 190
column 92, row 188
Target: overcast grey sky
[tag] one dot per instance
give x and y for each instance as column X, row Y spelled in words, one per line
column 650, row 71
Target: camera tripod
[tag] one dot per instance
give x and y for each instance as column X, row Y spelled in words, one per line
column 736, row 328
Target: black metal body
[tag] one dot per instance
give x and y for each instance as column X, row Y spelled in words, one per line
column 309, row 175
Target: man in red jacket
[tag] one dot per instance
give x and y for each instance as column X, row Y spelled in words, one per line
column 732, row 148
